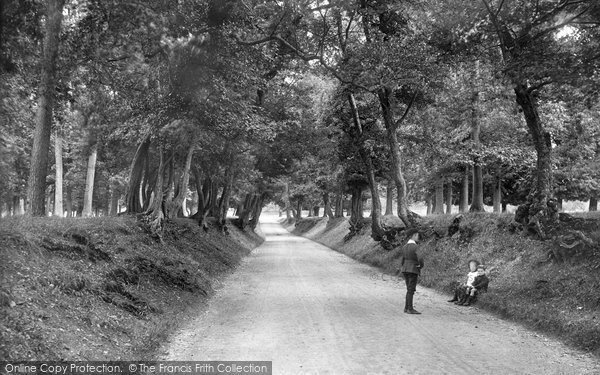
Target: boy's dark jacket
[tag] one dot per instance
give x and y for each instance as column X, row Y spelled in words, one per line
column 481, row 282
column 410, row 262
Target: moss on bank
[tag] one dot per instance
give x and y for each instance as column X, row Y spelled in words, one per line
column 562, row 299
column 103, row 289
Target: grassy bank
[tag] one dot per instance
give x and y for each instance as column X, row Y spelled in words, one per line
column 560, row 299
column 100, row 289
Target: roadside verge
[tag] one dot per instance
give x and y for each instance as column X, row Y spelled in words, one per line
column 103, row 288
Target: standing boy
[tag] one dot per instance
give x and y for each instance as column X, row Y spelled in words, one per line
column 410, row 266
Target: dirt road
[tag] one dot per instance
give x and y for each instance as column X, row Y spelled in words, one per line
column 312, row 310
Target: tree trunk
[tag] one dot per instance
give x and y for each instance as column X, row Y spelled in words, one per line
column 182, row 187
column 389, row 197
column 136, row 188
column 439, row 196
column 377, row 231
column 169, row 190
column 339, row 202
column 21, row 208
column 58, row 181
column 593, row 204
column 299, row 210
column 449, row 197
column 10, row 207
column 294, row 213
column 226, row 195
column 244, row 210
column 429, row 205
column 203, row 191
column 327, row 204
column 288, row 204
column 69, row 201
column 559, row 203
column 504, row 206
column 251, row 210
column 184, row 207
column 498, row 194
column 155, row 211
column 214, row 202
column 193, row 206
column 464, row 192
column 477, row 203
column 384, row 95
column 361, row 205
column 113, row 208
column 49, row 201
column 89, row 181
column 147, row 184
column 355, row 211
column 542, row 187
column 36, row 189
column 257, row 210
column 147, row 188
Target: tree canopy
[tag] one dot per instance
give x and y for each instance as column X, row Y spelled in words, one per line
column 195, row 107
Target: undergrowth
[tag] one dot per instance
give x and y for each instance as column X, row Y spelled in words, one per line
column 103, row 288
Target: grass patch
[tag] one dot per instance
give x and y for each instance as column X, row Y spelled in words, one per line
column 561, row 299
column 103, row 288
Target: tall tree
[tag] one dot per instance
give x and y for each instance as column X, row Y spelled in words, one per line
column 533, row 57
column 58, row 181
column 36, row 190
column 377, row 231
column 477, row 202
column 89, row 181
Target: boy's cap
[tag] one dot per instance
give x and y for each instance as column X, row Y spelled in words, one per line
column 481, row 266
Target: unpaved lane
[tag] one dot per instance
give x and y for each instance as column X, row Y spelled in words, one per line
column 312, row 310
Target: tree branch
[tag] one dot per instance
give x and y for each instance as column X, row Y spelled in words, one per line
column 330, row 5
column 125, row 57
column 539, row 85
column 564, row 23
column 347, row 32
column 408, row 107
column 499, row 9
column 559, row 8
column 254, row 42
column 496, row 23
column 355, row 115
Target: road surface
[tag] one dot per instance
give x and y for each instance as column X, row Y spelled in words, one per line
column 311, row 310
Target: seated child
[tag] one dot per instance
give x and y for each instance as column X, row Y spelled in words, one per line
column 461, row 291
column 479, row 284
